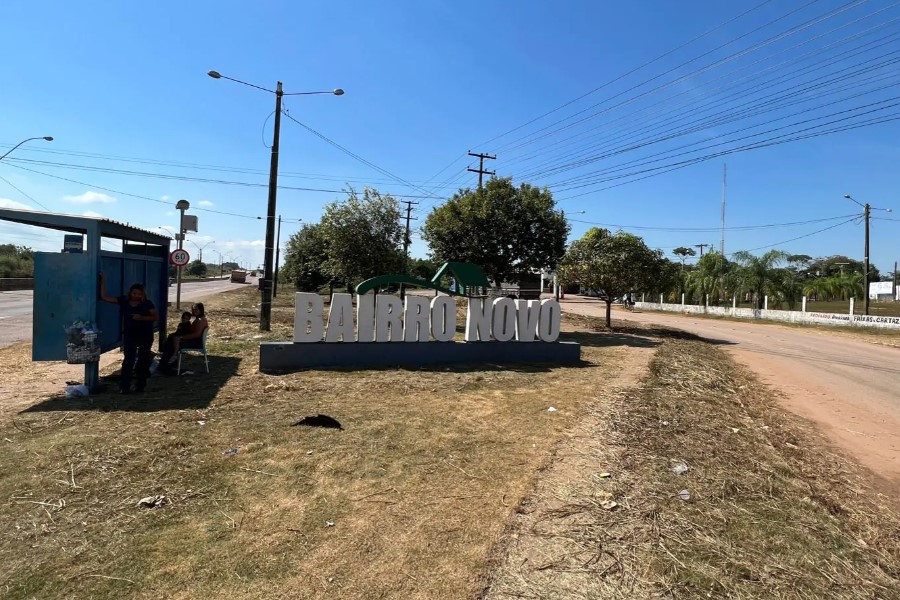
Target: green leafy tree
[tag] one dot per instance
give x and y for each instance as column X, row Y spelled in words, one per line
column 614, row 265
column 509, row 231
column 196, row 269
column 422, row 268
column 362, row 237
column 305, row 256
column 713, row 276
column 683, row 252
column 760, row 275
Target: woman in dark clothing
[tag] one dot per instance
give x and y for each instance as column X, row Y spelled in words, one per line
column 138, row 317
column 193, row 338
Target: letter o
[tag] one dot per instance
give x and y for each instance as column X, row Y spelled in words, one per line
column 549, row 322
column 443, row 318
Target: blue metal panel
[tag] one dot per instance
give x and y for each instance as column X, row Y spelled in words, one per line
column 65, row 290
column 122, row 271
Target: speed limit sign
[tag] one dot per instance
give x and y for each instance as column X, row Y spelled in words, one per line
column 179, row 258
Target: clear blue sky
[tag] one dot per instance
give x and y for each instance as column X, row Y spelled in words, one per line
column 427, row 81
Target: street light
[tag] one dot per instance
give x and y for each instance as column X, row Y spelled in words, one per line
column 200, row 248
column 49, row 138
column 867, row 208
column 265, row 307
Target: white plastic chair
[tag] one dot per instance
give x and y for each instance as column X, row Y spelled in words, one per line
column 201, row 350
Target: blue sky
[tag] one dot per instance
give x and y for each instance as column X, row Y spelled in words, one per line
column 123, row 86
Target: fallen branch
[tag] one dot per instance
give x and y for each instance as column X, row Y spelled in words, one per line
column 257, row 471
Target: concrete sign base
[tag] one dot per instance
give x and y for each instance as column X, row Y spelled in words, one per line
column 285, row 357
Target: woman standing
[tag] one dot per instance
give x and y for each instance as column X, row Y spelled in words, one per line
column 138, row 317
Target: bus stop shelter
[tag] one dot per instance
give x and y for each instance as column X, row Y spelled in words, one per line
column 66, row 283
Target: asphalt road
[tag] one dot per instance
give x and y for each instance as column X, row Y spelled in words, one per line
column 15, row 307
column 849, row 388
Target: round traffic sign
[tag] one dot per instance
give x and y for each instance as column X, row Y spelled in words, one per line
column 179, row 258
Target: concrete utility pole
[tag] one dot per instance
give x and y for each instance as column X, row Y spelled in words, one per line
column 480, row 170
column 894, row 285
column 701, row 246
column 406, row 242
column 277, row 256
column 724, row 187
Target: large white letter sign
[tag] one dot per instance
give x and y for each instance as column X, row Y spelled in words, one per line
column 503, row 323
column 365, row 318
column 388, row 319
column 548, row 326
column 340, row 319
column 478, row 321
column 443, row 318
column 527, row 322
column 308, row 325
column 415, row 319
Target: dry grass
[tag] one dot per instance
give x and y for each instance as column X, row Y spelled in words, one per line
column 406, row 502
column 770, row 513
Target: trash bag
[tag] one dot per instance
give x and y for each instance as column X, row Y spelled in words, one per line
column 77, row 391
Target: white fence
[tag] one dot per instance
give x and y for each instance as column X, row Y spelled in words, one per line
column 788, row 316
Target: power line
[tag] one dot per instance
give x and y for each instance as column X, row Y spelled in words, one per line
column 526, row 141
column 184, row 178
column 713, row 229
column 129, row 194
column 656, row 108
column 10, row 184
column 628, row 73
column 801, row 236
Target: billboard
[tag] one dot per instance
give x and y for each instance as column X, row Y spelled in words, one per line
column 880, row 288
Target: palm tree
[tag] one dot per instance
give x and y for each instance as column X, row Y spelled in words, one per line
column 760, row 274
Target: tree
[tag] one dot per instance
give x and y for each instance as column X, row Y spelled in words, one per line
column 683, row 252
column 760, row 274
column 362, row 237
column 614, row 265
column 713, row 276
column 509, row 231
column 422, row 268
column 196, row 269
column 305, row 256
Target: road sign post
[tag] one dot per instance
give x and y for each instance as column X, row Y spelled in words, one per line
column 179, row 258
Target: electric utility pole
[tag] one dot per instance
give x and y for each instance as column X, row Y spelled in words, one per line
column 406, row 242
column 277, row 256
column 724, row 187
column 701, row 246
column 480, row 170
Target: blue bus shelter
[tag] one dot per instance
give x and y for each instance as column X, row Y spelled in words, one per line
column 66, row 283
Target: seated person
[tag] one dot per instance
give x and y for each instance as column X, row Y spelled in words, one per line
column 184, row 327
column 186, row 336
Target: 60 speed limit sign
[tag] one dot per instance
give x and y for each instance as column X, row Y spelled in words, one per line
column 179, row 258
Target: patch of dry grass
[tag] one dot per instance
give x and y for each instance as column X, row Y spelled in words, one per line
column 406, row 502
column 769, row 512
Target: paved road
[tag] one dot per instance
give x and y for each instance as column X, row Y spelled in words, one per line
column 849, row 388
column 15, row 307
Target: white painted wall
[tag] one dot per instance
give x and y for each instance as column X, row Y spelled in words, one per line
column 788, row 316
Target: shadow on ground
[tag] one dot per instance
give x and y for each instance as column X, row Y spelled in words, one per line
column 194, row 391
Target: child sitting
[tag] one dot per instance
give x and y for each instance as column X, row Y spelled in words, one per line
column 184, row 327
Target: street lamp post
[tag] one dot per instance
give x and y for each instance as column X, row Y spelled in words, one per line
column 181, row 205
column 49, row 138
column 867, row 209
column 265, row 306
column 200, row 248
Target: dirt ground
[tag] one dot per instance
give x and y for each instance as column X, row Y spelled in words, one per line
column 849, row 388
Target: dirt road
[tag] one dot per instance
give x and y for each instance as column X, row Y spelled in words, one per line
column 850, row 389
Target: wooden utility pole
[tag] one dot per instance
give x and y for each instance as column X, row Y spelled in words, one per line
column 701, row 246
column 406, row 242
column 480, row 170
